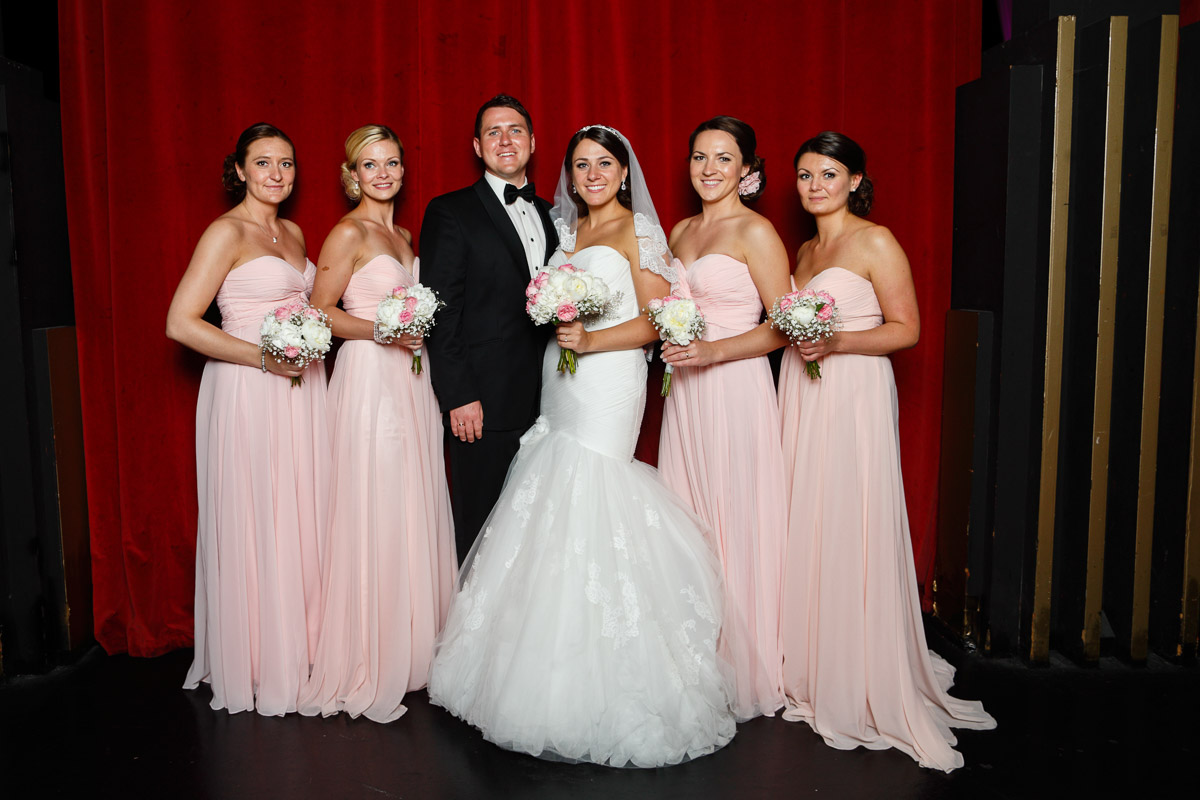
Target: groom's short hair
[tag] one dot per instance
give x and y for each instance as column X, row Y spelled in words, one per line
column 502, row 101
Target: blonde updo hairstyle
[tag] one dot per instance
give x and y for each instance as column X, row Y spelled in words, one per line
column 356, row 142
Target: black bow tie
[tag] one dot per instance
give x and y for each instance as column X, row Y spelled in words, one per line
column 511, row 193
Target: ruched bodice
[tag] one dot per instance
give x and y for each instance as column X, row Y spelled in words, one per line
column 601, row 404
column 257, row 288
column 373, row 281
column 723, row 289
column 854, row 296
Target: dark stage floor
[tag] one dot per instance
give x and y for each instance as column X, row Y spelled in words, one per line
column 119, row 726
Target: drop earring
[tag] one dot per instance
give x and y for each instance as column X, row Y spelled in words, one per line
column 622, row 185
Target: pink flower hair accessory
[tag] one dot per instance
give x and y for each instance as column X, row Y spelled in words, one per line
column 750, row 184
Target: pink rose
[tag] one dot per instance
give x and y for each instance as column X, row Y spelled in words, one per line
column 825, row 297
column 291, row 352
column 567, row 312
column 282, row 313
column 541, row 279
column 529, row 304
column 531, row 291
column 806, row 294
column 410, row 303
column 655, row 304
column 406, row 317
column 312, row 313
column 786, row 302
column 826, row 313
column 399, row 292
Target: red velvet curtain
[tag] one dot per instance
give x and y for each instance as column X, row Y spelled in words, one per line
column 154, row 95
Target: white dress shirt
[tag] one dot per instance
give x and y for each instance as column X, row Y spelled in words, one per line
column 526, row 221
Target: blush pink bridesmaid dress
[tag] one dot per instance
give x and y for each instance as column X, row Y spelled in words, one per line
column 390, row 569
column 856, row 667
column 262, row 466
column 719, row 450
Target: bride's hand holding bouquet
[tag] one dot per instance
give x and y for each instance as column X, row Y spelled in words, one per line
column 567, row 294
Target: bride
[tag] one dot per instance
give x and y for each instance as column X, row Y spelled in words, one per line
column 585, row 627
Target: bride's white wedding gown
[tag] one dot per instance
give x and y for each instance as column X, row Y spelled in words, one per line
column 586, row 624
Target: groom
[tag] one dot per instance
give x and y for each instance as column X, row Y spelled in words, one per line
column 479, row 248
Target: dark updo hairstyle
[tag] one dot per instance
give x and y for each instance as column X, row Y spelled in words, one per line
column 610, row 142
column 747, row 142
column 502, row 101
column 845, row 151
column 259, row 130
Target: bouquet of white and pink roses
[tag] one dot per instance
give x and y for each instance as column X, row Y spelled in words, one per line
column 678, row 321
column 297, row 333
column 564, row 294
column 407, row 310
column 806, row 316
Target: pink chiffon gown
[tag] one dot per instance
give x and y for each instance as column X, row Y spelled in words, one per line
column 389, row 572
column 719, row 450
column 262, row 467
column 856, row 667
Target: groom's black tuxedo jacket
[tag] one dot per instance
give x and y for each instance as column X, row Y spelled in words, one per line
column 484, row 346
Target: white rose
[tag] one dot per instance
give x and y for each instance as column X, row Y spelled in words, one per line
column 388, row 311
column 576, row 288
column 804, row 314
column 315, row 333
column 292, row 337
column 680, row 315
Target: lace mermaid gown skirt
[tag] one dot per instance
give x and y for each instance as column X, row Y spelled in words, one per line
column 390, row 567
column 856, row 666
column 719, row 449
column 262, row 465
column 587, row 621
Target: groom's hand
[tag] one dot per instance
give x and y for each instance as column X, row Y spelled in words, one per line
column 466, row 422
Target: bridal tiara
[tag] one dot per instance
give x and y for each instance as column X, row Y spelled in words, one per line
column 605, row 127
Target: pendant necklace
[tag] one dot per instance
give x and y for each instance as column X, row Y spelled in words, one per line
column 274, row 239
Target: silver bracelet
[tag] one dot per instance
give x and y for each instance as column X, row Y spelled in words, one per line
column 375, row 333
column 263, row 361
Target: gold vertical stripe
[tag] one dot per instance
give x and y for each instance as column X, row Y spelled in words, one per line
column 1156, row 282
column 1189, row 624
column 1060, row 191
column 1110, row 218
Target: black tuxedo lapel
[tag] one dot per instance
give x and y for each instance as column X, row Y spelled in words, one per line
column 548, row 226
column 504, row 225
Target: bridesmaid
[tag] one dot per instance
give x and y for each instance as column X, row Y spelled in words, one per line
column 719, row 446
column 856, row 667
column 262, row 445
column 390, row 567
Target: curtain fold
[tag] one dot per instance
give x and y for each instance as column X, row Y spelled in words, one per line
column 154, row 95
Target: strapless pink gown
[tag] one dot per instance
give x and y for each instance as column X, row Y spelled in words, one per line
column 856, row 667
column 719, row 450
column 262, row 464
column 390, row 568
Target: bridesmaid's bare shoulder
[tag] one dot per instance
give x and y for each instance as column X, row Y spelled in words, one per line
column 679, row 231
